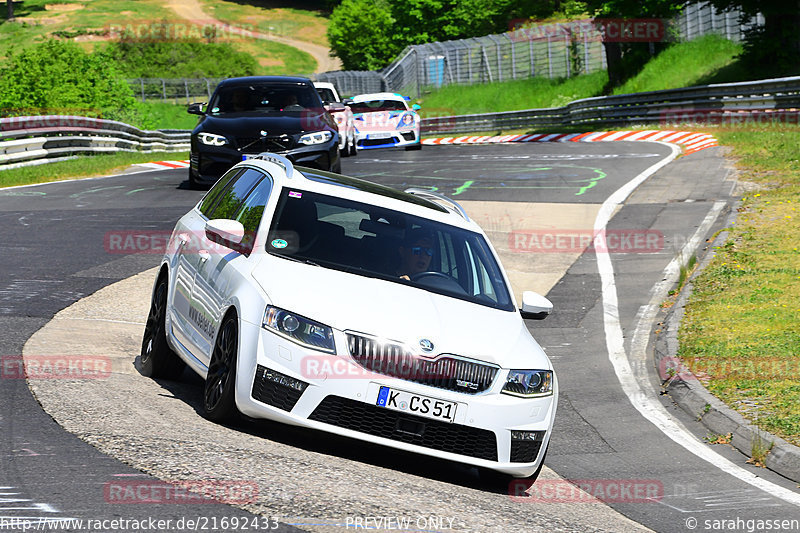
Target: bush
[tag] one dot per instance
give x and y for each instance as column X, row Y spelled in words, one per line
column 60, row 77
column 180, row 59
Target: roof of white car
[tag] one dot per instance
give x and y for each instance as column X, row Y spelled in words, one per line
column 378, row 96
column 421, row 203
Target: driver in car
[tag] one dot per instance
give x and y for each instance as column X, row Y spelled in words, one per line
column 416, row 253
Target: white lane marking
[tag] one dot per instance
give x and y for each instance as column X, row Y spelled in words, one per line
column 645, row 403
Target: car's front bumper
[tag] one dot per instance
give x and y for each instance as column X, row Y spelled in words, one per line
column 209, row 163
column 366, row 140
column 343, row 400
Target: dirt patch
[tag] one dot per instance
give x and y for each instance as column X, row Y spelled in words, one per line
column 270, row 62
column 61, row 8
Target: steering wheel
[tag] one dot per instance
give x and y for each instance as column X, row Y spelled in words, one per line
column 430, row 273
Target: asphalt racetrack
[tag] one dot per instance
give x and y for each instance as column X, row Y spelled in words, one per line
column 619, row 439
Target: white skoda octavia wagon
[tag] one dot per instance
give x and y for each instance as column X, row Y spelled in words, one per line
column 332, row 303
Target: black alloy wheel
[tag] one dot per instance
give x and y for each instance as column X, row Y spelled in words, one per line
column 219, row 402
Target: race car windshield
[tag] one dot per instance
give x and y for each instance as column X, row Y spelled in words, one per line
column 376, row 242
column 372, row 106
column 267, row 98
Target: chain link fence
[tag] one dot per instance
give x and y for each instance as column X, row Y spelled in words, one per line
column 701, row 19
column 553, row 50
column 175, row 90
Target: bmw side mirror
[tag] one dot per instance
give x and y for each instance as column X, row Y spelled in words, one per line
column 416, row 107
column 535, row 306
column 196, row 109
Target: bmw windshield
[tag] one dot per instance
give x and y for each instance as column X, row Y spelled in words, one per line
column 265, row 98
column 376, row 242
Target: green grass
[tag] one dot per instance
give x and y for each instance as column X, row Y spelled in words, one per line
column 710, row 59
column 85, row 166
column 156, row 116
column 89, row 25
column 697, row 62
column 740, row 329
column 306, row 24
column 515, row 95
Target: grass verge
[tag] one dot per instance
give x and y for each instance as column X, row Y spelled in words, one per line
column 739, row 334
column 82, row 167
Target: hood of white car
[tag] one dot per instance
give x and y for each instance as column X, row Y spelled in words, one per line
column 397, row 312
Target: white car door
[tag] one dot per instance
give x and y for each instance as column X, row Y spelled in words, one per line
column 187, row 244
column 220, row 269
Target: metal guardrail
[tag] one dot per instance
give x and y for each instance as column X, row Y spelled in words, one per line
column 28, row 140
column 718, row 102
column 24, row 140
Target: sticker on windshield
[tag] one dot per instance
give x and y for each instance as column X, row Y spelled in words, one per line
column 295, row 194
column 279, row 243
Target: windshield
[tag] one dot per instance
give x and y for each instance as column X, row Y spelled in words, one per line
column 371, row 106
column 266, row 98
column 376, row 242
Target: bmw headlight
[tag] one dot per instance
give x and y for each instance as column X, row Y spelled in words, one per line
column 529, row 383
column 318, row 137
column 212, row 139
column 299, row 329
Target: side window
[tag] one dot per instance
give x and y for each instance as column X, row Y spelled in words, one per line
column 228, row 204
column 210, row 199
column 250, row 212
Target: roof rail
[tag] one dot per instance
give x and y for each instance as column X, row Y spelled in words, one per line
column 278, row 160
column 451, row 204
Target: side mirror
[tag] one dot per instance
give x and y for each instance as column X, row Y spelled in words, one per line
column 228, row 233
column 196, row 109
column 347, row 101
column 335, row 106
column 416, row 107
column 535, row 306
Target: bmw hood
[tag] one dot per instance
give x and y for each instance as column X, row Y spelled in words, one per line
column 401, row 313
column 250, row 124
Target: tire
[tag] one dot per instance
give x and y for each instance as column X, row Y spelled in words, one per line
column 193, row 182
column 417, row 146
column 219, row 402
column 157, row 359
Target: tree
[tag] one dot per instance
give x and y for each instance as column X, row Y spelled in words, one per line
column 360, row 34
column 368, row 34
column 772, row 49
column 625, row 59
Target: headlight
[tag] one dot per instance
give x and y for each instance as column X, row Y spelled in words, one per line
column 212, row 139
column 529, row 383
column 299, row 329
column 318, row 137
column 408, row 119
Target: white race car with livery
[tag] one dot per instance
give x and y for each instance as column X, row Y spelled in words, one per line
column 332, row 303
column 385, row 120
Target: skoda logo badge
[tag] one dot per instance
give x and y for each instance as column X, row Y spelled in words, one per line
column 426, row 345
